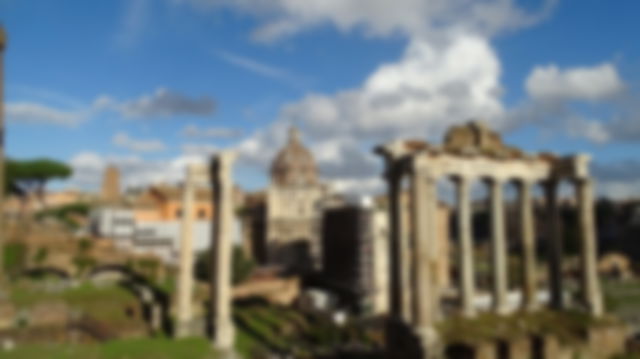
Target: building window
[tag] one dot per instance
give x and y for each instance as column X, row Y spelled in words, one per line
column 202, row 214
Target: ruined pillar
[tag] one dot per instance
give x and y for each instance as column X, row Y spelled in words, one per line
column 184, row 313
column 425, row 294
column 529, row 280
column 400, row 285
column 554, row 244
column 498, row 246
column 221, row 251
column 465, row 249
column 591, row 294
column 3, row 229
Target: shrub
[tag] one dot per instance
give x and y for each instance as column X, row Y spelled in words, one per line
column 41, row 255
column 15, row 257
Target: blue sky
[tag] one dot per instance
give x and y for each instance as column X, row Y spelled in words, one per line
column 152, row 84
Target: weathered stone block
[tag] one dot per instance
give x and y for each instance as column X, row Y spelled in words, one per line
column 605, row 342
column 7, row 315
column 519, row 348
column 486, row 350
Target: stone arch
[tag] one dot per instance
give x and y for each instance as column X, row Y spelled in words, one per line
column 155, row 301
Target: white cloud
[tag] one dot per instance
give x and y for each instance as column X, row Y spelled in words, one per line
column 428, row 89
column 593, row 130
column 88, row 169
column 618, row 180
column 261, row 69
column 123, row 140
column 412, row 18
column 596, row 83
column 193, row 131
column 163, row 103
column 135, row 171
column 45, row 95
column 553, row 92
column 30, row 112
column 431, row 87
column 449, row 73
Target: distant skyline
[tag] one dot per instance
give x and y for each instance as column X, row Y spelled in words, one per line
column 151, row 85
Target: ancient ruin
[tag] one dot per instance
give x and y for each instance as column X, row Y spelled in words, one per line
column 221, row 242
column 111, row 184
column 475, row 153
column 3, row 44
column 219, row 174
column 184, row 314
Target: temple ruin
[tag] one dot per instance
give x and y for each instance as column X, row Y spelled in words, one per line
column 474, row 153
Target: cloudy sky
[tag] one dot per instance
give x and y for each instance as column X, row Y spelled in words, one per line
column 150, row 85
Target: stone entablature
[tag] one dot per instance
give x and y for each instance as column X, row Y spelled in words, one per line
column 473, row 159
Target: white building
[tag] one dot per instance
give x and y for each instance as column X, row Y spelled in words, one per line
column 160, row 238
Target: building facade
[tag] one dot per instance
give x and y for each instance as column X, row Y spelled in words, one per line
column 355, row 255
column 293, row 208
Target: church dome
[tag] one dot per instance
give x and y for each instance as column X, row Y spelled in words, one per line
column 294, row 165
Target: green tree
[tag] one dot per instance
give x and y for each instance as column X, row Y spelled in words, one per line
column 31, row 176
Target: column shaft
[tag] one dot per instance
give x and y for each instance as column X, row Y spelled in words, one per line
column 3, row 229
column 592, row 296
column 529, row 281
column 554, row 245
column 185, row 266
column 400, row 284
column 425, row 294
column 465, row 249
column 498, row 247
column 221, row 251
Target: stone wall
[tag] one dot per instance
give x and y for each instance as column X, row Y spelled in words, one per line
column 599, row 342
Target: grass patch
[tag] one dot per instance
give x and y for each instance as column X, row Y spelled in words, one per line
column 161, row 348
column 101, row 303
column 566, row 326
column 622, row 297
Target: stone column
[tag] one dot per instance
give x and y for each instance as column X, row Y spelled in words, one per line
column 3, row 229
column 465, row 248
column 425, row 294
column 498, row 246
column 529, row 281
column 554, row 244
column 221, row 251
column 184, row 314
column 400, row 285
column 591, row 294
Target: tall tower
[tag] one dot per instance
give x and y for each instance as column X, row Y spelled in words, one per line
column 3, row 43
column 111, row 185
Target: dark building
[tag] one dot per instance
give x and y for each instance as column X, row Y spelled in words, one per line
column 347, row 243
